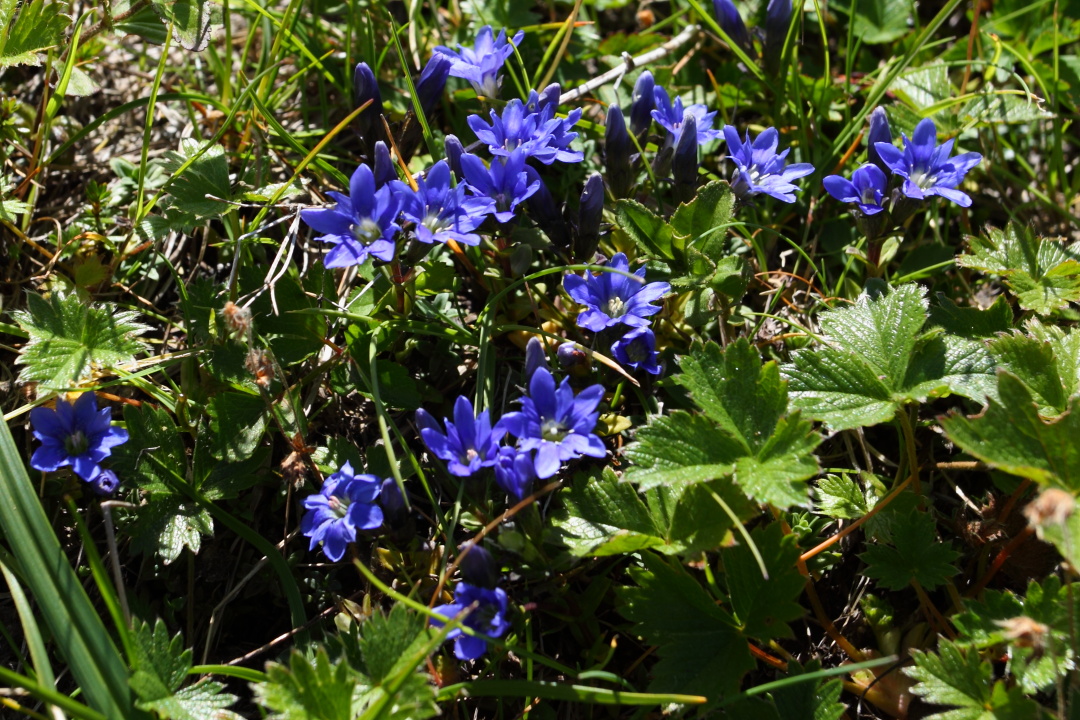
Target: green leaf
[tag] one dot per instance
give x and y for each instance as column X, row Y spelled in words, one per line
column 961, row 679
column 160, row 666
column 36, row 27
column 237, row 424
column 1038, row 663
column 881, row 21
column 765, row 606
column 9, row 206
column 809, row 700
column 193, row 20
column 923, row 87
column 1033, row 363
column 72, row 340
column 1011, row 436
column 916, row 554
column 316, row 690
column 1044, row 274
column 602, row 516
column 744, row 428
column 700, row 648
column 386, row 640
column 878, row 358
column 207, row 175
column 839, row 496
column 648, row 230
column 711, row 210
column 969, row 322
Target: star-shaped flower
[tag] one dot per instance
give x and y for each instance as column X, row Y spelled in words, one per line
column 75, row 435
column 612, row 298
column 481, row 63
column 926, row 166
column 345, row 503
column 362, row 223
column 760, row 169
column 469, row 442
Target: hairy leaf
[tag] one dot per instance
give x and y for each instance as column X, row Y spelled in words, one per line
column 34, row 28
column 315, row 690
column 765, row 606
column 916, row 554
column 961, row 679
column 71, row 340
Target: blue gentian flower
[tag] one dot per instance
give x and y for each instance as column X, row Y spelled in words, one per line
column 732, row 23
column 478, row 567
column 866, row 187
column 556, row 424
column 391, row 500
column 432, row 82
column 642, row 103
column 453, row 149
column 362, row 223
column 612, row 298
column 571, row 355
column 488, row 617
column 365, row 88
column 442, row 212
column 535, row 356
column 637, row 349
column 926, row 167
column 684, row 161
column 590, row 213
column 760, row 169
column 76, row 434
column 345, row 503
column 532, row 128
column 617, row 153
column 480, row 64
column 514, row 472
column 383, row 165
column 469, row 442
column 777, row 22
column 671, row 117
column 505, row 181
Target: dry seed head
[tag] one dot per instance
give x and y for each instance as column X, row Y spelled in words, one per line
column 1023, row 632
column 1053, row 507
column 237, row 319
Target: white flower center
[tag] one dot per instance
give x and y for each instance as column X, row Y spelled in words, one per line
column 553, row 431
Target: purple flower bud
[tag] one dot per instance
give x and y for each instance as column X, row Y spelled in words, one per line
column 429, row 88
column 366, row 87
column 391, row 500
column 105, row 482
column 571, row 355
column 590, row 212
column 617, row 151
column 684, row 164
column 642, row 106
column 383, row 165
column 732, row 23
column 477, row 566
column 545, row 211
column 879, row 133
column 454, row 149
column 777, row 22
column 535, row 357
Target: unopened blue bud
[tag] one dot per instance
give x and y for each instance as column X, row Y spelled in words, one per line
column 617, row 151
column 777, row 22
column 391, row 500
column 879, row 133
column 590, row 212
column 732, row 23
column 642, row 105
column 105, row 482
column 535, row 357
column 383, row 166
column 478, row 567
column 429, row 88
column 546, row 212
column 571, row 355
column 684, row 163
column 366, row 87
column 454, row 150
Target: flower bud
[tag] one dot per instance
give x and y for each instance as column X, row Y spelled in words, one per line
column 684, row 164
column 429, row 88
column 366, row 87
column 879, row 132
column 105, row 482
column 642, row 106
column 731, row 22
column 571, row 356
column 545, row 211
column 777, row 22
column 478, row 567
column 454, row 150
column 535, row 357
column 590, row 212
column 383, row 166
column 617, row 151
column 391, row 501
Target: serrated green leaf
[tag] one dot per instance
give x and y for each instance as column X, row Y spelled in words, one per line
column 1038, row 662
column 1011, row 436
column 1002, row 107
column 971, row 323
column 1032, row 362
column 764, row 607
column 315, row 690
column 769, row 454
column 649, row 231
column 70, row 340
column 808, row 700
column 36, row 27
column 701, row 651
column 925, row 86
column 961, row 679
column 916, row 554
column 1044, row 274
column 881, row 21
column 207, row 175
column 201, row 701
column 9, row 206
column 839, row 496
column 237, row 424
column 193, row 20
column 878, row 358
column 385, row 640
